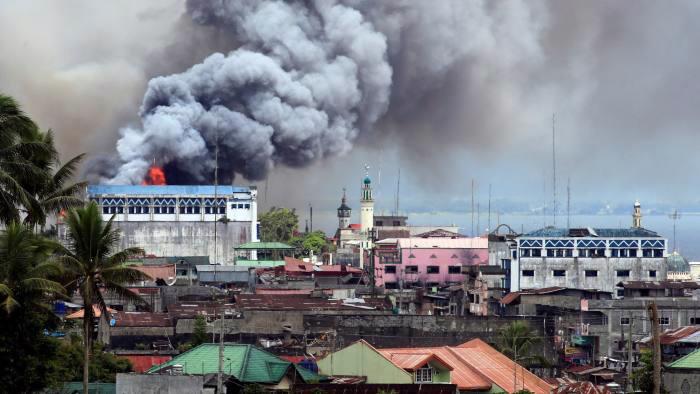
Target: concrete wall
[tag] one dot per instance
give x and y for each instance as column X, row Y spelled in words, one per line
column 682, row 381
column 359, row 359
column 186, row 238
column 158, row 384
column 575, row 268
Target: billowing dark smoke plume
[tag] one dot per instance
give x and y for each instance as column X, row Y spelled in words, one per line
column 306, row 79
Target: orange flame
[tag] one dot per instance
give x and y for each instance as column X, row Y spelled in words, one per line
column 155, row 176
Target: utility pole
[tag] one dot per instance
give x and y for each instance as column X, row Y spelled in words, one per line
column 311, row 218
column 629, row 355
column 654, row 317
column 219, row 375
column 554, row 176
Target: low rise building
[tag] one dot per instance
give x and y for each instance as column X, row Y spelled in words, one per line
column 428, row 260
column 587, row 258
column 173, row 220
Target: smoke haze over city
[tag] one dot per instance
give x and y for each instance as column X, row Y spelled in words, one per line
column 301, row 94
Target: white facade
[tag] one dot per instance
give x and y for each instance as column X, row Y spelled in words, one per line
column 176, row 220
column 366, row 207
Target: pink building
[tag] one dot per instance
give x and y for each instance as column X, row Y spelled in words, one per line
column 433, row 259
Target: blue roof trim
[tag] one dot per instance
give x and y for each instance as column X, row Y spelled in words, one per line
column 164, row 190
column 559, row 243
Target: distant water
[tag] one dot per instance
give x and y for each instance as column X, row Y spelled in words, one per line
column 687, row 227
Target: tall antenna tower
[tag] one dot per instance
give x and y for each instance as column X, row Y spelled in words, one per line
column 472, row 210
column 489, row 220
column 216, row 202
column 568, row 202
column 554, row 176
column 398, row 189
column 675, row 216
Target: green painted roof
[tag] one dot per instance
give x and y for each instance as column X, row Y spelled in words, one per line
column 246, row 363
column 692, row 360
column 264, row 246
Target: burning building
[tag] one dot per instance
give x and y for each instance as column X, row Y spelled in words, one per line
column 177, row 220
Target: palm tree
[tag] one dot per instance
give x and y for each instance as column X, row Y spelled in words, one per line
column 94, row 265
column 52, row 192
column 14, row 127
column 517, row 339
column 25, row 269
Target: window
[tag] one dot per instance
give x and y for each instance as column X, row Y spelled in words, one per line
column 424, row 375
column 695, row 320
column 528, row 272
column 390, row 269
column 624, row 321
column 247, row 206
column 105, row 210
column 591, row 273
column 391, row 285
column 622, row 273
column 644, row 293
column 454, row 269
column 632, row 253
column 411, row 269
column 615, row 253
column 433, row 269
column 531, row 252
column 652, row 273
column 664, row 320
column 432, row 256
column 620, row 292
column 379, row 223
column 396, row 223
column 558, row 272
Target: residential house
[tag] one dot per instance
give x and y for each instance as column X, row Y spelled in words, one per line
column 473, row 366
column 243, row 365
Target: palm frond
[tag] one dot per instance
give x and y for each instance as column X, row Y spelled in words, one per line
column 67, row 170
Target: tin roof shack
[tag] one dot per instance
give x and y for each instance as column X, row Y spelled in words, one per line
column 299, row 277
column 658, row 289
column 130, row 330
column 675, row 343
column 550, row 300
column 683, row 375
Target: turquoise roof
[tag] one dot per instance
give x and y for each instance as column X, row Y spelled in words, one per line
column 246, row 363
column 691, row 361
column 555, row 232
column 367, row 181
column 141, row 190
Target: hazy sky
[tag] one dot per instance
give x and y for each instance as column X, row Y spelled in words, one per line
column 473, row 91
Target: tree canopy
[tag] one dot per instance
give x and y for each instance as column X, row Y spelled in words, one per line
column 278, row 225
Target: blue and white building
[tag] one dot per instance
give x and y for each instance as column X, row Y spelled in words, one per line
column 175, row 220
column 588, row 258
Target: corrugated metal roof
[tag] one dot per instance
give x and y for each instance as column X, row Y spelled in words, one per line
column 144, row 362
column 554, row 232
column 672, row 336
column 246, row 363
column 691, row 361
column 411, row 361
column 498, row 368
column 659, row 285
column 301, row 302
column 442, row 243
column 141, row 319
column 264, row 246
column 221, row 268
column 199, row 190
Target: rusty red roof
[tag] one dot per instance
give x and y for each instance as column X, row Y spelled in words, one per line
column 163, row 271
column 412, row 360
column 672, row 336
column 144, row 362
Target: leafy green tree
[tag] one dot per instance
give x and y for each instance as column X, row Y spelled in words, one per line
column 26, row 287
column 278, row 224
column 199, row 333
column 103, row 367
column 94, row 264
column 643, row 377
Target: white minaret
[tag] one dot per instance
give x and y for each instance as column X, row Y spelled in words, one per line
column 344, row 212
column 366, row 204
column 637, row 215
